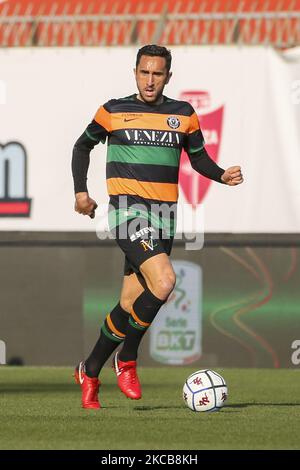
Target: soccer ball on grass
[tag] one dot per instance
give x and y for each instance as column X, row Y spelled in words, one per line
column 205, row 390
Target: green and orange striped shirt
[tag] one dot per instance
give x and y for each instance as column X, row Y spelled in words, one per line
column 144, row 144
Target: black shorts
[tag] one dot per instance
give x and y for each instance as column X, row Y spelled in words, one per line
column 139, row 241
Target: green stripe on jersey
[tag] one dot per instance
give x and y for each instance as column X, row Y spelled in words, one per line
column 194, row 150
column 143, row 154
column 119, row 216
column 90, row 136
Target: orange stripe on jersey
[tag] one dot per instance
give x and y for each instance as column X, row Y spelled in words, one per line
column 194, row 123
column 148, row 121
column 145, row 189
column 113, row 328
column 136, row 318
column 103, row 118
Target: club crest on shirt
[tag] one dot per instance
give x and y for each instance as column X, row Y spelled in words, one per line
column 173, row 122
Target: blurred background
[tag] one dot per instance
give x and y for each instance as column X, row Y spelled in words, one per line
column 237, row 300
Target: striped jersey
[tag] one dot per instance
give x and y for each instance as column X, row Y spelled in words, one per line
column 144, row 143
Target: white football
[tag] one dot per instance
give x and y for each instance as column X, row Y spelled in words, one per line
column 205, row 390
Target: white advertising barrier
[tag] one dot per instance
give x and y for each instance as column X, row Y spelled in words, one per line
column 247, row 100
column 176, row 333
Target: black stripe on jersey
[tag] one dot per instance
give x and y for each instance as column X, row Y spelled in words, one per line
column 131, row 104
column 95, row 132
column 194, row 141
column 132, row 200
column 120, row 137
column 142, row 172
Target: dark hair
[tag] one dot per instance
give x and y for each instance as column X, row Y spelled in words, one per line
column 154, row 50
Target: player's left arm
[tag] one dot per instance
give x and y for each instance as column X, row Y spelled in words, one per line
column 201, row 161
column 203, row 164
column 232, row 176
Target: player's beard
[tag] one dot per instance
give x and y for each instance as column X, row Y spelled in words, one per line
column 151, row 98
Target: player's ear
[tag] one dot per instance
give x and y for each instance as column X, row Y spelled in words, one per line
column 169, row 77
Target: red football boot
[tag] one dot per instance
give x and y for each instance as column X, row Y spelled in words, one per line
column 128, row 380
column 89, row 386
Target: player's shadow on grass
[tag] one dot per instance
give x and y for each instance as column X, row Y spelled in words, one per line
column 154, row 408
column 231, row 407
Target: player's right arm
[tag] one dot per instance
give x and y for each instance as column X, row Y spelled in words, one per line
column 96, row 132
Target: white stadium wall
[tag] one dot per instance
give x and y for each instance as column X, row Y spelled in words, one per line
column 248, row 101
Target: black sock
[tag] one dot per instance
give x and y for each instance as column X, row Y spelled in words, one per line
column 142, row 315
column 112, row 334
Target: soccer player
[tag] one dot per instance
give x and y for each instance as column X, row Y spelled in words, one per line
column 145, row 133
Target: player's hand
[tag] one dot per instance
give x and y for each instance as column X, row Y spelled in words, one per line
column 85, row 205
column 232, row 176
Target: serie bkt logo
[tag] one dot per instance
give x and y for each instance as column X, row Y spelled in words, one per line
column 13, row 185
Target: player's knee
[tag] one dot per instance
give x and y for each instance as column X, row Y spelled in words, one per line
column 126, row 303
column 164, row 285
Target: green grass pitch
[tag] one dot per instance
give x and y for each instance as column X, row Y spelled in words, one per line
column 40, row 409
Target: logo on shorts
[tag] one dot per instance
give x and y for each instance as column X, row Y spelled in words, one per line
column 148, row 244
column 173, row 122
column 141, row 232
